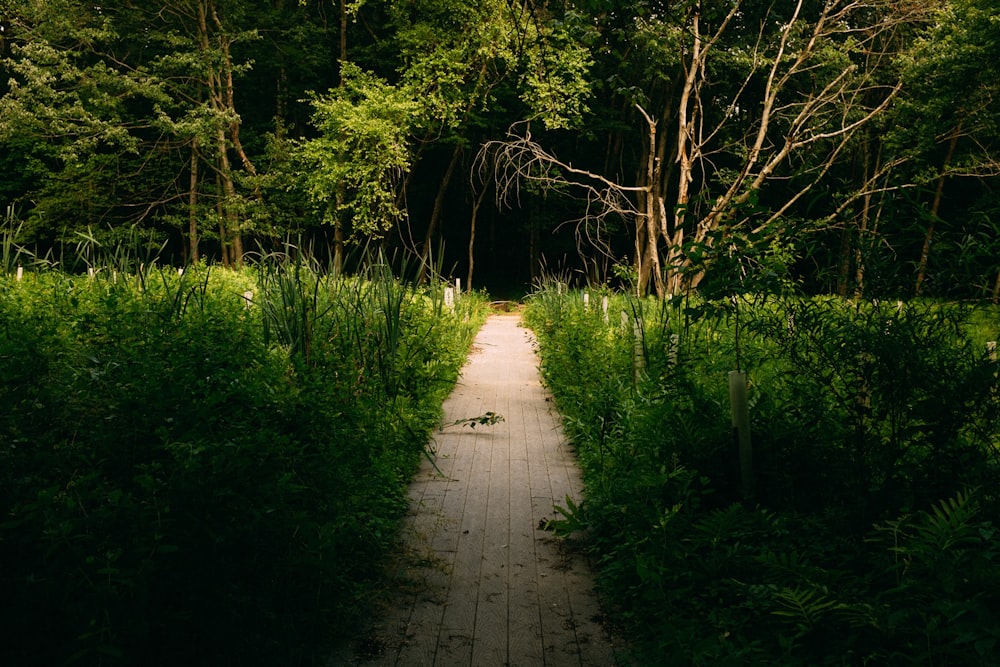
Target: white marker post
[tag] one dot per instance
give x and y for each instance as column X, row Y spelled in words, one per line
column 675, row 344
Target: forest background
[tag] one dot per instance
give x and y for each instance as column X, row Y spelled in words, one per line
column 848, row 142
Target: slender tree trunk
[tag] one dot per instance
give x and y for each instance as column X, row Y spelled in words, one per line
column 230, row 216
column 650, row 273
column 534, row 255
column 193, row 255
column 849, row 241
column 925, row 252
column 228, row 100
column 863, row 224
column 844, row 261
column 221, row 214
column 476, row 205
column 339, row 237
column 425, row 252
column 219, row 85
column 640, row 245
column 687, row 119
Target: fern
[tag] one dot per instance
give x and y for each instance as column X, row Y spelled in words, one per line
column 574, row 519
column 805, row 607
column 949, row 524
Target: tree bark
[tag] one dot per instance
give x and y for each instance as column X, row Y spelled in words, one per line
column 925, row 251
column 193, row 255
column 339, row 237
column 650, row 272
column 425, row 252
column 476, row 205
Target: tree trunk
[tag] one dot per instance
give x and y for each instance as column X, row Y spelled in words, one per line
column 229, row 216
column 534, row 256
column 476, row 205
column 849, row 241
column 193, row 205
column 425, row 252
column 650, row 273
column 339, row 237
column 925, row 252
column 687, row 149
column 221, row 214
column 863, row 224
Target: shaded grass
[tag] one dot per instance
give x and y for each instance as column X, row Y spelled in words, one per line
column 181, row 485
column 875, row 431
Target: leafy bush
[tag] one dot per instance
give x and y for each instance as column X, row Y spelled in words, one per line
column 889, row 404
column 181, row 486
column 864, row 415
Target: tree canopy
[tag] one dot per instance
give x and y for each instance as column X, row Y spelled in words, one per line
column 687, row 143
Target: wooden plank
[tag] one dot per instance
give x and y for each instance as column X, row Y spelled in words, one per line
column 490, row 633
column 488, row 586
column 524, row 614
column 468, row 507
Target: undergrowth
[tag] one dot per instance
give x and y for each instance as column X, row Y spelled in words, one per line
column 207, row 468
column 871, row 537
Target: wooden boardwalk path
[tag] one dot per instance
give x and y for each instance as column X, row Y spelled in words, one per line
column 481, row 584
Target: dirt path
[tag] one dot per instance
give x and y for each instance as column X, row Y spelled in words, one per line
column 483, row 585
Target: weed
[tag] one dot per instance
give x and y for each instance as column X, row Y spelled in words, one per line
column 863, row 412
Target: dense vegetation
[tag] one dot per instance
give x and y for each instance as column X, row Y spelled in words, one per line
column 189, row 475
column 869, row 535
column 861, row 135
column 208, row 468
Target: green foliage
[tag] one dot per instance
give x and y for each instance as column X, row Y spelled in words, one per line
column 363, row 152
column 556, row 77
column 899, row 392
column 864, row 416
column 486, row 419
column 181, row 484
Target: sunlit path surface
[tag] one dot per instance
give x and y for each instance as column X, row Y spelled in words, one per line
column 482, row 584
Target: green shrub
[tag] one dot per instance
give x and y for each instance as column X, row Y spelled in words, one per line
column 178, row 485
column 862, row 413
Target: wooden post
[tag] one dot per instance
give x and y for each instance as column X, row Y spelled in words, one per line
column 458, row 286
column 449, row 298
column 20, row 273
column 741, row 428
column 586, row 301
column 604, row 308
column 248, row 297
column 638, row 355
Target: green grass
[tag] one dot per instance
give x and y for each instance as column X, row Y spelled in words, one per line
column 871, row 536
column 187, row 477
